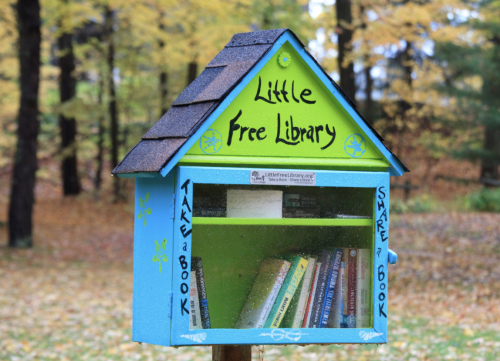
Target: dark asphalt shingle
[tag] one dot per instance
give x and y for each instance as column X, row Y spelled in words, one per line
column 180, row 121
column 198, row 85
column 239, row 54
column 256, row 37
column 149, row 155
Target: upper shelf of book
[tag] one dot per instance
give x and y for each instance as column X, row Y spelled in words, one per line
column 282, row 205
column 346, row 222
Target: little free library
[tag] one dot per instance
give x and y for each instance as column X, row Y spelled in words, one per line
column 261, row 207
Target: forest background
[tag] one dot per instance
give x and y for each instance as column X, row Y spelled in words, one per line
column 81, row 81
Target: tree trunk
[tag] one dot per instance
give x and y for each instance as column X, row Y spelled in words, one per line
column 100, row 138
column 67, row 91
column 490, row 162
column 232, row 353
column 163, row 73
column 25, row 163
column 344, row 31
column 112, row 106
column 192, row 72
column 368, row 94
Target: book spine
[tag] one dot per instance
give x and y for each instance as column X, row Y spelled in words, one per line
column 272, row 296
column 335, row 318
column 307, row 312
column 332, row 281
column 194, row 309
column 260, row 294
column 326, row 259
column 304, row 293
column 284, row 297
column 351, row 288
column 363, row 289
column 202, row 292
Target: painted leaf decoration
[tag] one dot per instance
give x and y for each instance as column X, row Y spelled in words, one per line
column 155, row 258
column 160, row 266
column 157, row 246
column 145, row 222
column 146, row 198
column 148, row 211
column 163, row 244
column 140, row 215
column 165, row 258
column 141, row 203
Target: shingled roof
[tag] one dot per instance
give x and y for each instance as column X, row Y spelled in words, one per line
column 197, row 102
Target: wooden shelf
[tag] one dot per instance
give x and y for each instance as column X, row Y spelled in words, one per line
column 284, row 221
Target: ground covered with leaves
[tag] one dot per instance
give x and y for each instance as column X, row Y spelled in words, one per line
column 70, row 298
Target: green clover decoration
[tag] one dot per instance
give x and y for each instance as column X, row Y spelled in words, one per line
column 284, row 59
column 144, row 211
column 160, row 253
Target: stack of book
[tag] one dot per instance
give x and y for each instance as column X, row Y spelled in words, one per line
column 330, row 290
column 198, row 304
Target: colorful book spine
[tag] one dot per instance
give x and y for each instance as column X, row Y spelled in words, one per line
column 292, row 280
column 304, row 293
column 202, row 291
column 351, row 288
column 363, row 289
column 194, row 302
column 332, row 282
column 325, row 257
column 261, row 295
column 272, row 296
column 314, row 283
column 336, row 314
column 293, row 311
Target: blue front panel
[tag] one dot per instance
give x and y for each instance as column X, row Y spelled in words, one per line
column 182, row 336
column 153, row 242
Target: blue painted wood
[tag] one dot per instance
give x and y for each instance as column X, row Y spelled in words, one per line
column 181, row 335
column 151, row 287
column 287, row 36
column 214, row 175
column 392, row 257
column 381, row 249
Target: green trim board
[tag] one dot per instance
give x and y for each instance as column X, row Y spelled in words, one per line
column 286, row 111
column 283, row 221
column 317, row 163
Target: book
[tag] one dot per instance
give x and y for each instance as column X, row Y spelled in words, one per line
column 297, row 269
column 194, row 304
column 336, row 314
column 363, row 289
column 274, row 293
column 314, row 283
column 295, row 313
column 197, row 265
column 332, row 282
column 350, row 271
column 263, row 293
column 325, row 257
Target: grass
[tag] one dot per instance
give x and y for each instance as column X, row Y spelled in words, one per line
column 69, row 298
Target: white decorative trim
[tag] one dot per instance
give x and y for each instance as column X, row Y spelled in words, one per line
column 278, row 334
column 369, row 335
column 196, row 337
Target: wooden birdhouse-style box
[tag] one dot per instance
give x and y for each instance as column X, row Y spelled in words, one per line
column 261, row 207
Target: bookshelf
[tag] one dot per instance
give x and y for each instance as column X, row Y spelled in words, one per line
column 339, row 222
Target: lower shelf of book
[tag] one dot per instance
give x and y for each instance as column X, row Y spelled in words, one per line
column 282, row 276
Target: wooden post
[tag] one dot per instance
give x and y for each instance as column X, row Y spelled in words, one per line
column 232, row 353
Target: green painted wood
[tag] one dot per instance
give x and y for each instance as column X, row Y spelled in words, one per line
column 283, row 221
column 269, row 119
column 312, row 163
column 232, row 256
